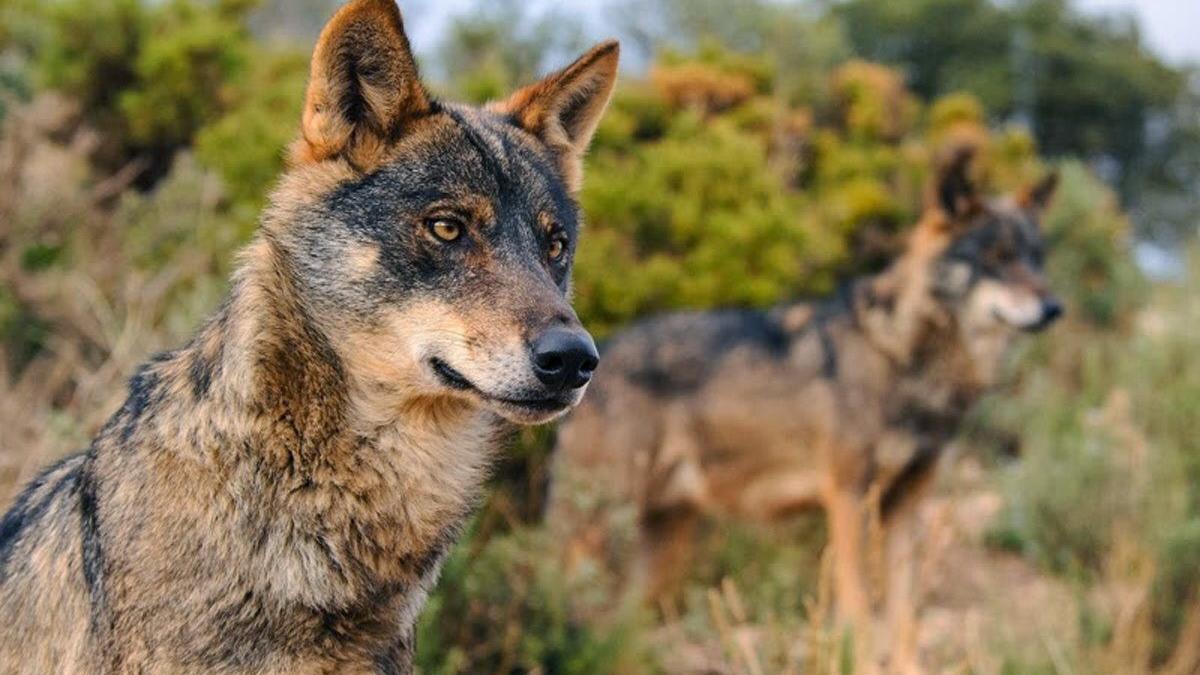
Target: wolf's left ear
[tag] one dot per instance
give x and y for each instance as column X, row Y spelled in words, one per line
column 564, row 109
column 1037, row 197
column 953, row 191
column 364, row 87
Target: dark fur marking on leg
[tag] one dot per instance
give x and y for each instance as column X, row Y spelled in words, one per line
column 924, row 461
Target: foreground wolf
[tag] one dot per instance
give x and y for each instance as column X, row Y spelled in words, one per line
column 843, row 405
column 277, row 496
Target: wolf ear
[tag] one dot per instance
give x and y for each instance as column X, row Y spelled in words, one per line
column 364, row 86
column 564, row 109
column 953, row 191
column 1037, row 197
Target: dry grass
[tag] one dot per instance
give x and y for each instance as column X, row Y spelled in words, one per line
column 74, row 279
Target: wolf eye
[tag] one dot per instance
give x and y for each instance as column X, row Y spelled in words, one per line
column 558, row 247
column 445, row 229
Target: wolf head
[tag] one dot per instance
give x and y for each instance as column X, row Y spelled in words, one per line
column 990, row 271
column 432, row 242
column 972, row 272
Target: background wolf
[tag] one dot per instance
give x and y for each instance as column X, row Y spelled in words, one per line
column 277, row 496
column 843, row 404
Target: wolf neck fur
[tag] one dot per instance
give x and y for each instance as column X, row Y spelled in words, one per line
column 912, row 331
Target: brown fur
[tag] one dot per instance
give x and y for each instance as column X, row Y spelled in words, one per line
column 277, row 496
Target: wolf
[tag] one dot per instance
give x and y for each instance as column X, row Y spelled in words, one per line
column 278, row 495
column 843, row 405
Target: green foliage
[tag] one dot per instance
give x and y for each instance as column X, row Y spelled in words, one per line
column 182, row 73
column 507, row 607
column 1090, row 238
column 147, row 75
column 500, row 45
column 20, row 29
column 872, row 101
column 695, row 218
column 799, row 45
column 246, row 145
column 22, row 333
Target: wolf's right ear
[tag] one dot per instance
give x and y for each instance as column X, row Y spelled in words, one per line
column 564, row 109
column 1037, row 197
column 953, row 191
column 363, row 89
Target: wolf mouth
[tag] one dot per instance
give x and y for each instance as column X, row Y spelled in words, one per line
column 1035, row 327
column 455, row 380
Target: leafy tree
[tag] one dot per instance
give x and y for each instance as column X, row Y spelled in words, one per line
column 1088, row 86
column 1167, row 175
column 800, row 43
column 495, row 47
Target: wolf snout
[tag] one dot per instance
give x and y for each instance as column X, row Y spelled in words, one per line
column 1052, row 310
column 564, row 359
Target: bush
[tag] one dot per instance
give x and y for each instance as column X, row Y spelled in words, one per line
column 1090, row 238
column 504, row 606
column 147, row 75
column 246, row 145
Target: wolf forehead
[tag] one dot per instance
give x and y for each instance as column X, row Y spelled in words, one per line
column 1002, row 233
column 473, row 164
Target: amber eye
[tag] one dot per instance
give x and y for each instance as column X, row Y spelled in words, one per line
column 558, row 247
column 444, row 229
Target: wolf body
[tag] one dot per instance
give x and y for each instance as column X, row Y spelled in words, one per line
column 277, row 495
column 843, row 404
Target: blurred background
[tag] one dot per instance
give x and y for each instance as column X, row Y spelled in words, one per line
column 756, row 150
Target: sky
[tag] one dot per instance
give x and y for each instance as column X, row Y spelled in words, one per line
column 1170, row 26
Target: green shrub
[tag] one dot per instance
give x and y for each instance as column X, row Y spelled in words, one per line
column 505, row 606
column 147, row 75
column 246, row 145
column 1089, row 237
column 1109, row 452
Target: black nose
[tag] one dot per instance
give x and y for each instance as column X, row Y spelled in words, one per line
column 564, row 359
column 1052, row 309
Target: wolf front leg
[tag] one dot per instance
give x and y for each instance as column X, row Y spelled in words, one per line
column 846, row 513
column 668, row 537
column 902, row 524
